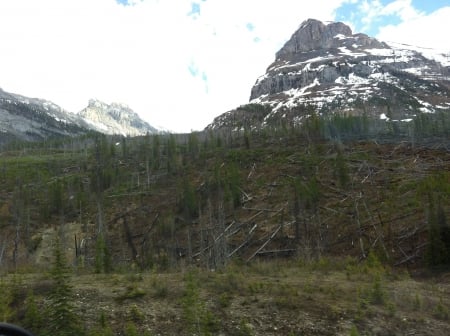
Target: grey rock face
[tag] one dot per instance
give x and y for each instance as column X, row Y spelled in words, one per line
column 313, row 35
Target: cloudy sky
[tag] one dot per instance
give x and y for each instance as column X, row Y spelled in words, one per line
column 179, row 63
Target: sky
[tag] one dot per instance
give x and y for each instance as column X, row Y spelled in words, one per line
column 179, row 63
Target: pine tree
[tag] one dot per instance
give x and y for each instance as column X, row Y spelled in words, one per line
column 438, row 244
column 33, row 319
column 102, row 256
column 61, row 319
column 7, row 298
column 341, row 170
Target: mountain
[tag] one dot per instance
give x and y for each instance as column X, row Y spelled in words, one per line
column 33, row 119
column 114, row 118
column 326, row 68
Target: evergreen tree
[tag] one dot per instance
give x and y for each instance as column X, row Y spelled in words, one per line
column 102, row 255
column 33, row 319
column 438, row 235
column 7, row 298
column 61, row 319
column 341, row 170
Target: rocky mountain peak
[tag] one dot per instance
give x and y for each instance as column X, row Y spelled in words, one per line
column 316, row 36
column 311, row 35
column 115, row 118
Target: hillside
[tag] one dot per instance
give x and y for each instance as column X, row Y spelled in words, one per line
column 264, row 232
column 314, row 196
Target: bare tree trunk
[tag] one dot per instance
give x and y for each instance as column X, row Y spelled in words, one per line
column 130, row 239
column 2, row 251
column 100, row 228
column 16, row 245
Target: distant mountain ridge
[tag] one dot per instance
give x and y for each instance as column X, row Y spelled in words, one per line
column 327, row 68
column 114, row 118
column 33, row 119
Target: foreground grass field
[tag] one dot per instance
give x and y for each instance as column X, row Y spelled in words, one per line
column 324, row 297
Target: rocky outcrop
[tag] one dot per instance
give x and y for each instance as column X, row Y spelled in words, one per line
column 313, row 35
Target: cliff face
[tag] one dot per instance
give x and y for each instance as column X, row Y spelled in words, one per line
column 314, row 35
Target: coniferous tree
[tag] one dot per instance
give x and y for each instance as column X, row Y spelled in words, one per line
column 156, row 154
column 102, row 255
column 7, row 298
column 62, row 318
column 33, row 319
column 342, row 170
column 438, row 244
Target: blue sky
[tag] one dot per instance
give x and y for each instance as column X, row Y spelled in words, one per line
column 356, row 12
column 429, row 6
column 179, row 63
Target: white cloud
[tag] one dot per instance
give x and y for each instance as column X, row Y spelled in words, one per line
column 402, row 8
column 73, row 50
column 373, row 12
column 421, row 30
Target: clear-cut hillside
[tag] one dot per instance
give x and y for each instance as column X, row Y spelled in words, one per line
column 325, row 67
